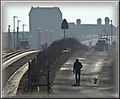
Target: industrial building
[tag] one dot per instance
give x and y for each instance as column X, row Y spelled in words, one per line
column 84, row 32
column 45, row 27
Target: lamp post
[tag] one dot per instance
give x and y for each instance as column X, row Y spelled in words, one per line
column 30, row 40
column 108, row 39
column 17, row 47
column 104, row 34
column 111, row 34
column 23, row 30
column 46, row 35
column 9, row 37
column 39, row 34
column 18, row 23
column 14, row 31
column 70, row 32
column 51, row 31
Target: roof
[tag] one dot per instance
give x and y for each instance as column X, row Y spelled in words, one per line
column 72, row 23
column 45, row 8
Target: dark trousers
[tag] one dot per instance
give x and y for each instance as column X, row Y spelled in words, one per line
column 77, row 77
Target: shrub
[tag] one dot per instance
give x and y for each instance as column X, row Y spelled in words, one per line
column 44, row 59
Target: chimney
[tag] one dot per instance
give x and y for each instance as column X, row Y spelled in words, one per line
column 78, row 21
column 106, row 21
column 99, row 21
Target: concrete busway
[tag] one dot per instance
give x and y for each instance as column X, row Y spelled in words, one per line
column 16, row 56
column 12, row 65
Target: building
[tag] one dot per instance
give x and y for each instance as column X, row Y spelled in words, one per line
column 71, row 32
column 8, row 41
column 87, row 33
column 45, row 25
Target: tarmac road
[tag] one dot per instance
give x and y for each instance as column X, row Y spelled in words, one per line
column 95, row 64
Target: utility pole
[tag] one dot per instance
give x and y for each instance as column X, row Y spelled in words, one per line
column 74, row 33
column 111, row 34
column 70, row 32
column 51, row 31
column 108, row 38
column 46, row 35
column 14, row 31
column 39, row 38
column 9, row 37
column 17, row 47
column 23, row 30
column 30, row 37
column 64, row 33
column 104, row 35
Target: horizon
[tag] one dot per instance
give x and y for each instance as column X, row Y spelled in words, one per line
column 92, row 11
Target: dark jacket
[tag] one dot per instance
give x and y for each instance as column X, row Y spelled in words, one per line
column 77, row 66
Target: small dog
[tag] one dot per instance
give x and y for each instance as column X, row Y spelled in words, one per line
column 95, row 80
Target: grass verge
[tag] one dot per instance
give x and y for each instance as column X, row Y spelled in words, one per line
column 54, row 68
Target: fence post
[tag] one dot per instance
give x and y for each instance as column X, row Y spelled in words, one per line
column 48, row 82
column 29, row 77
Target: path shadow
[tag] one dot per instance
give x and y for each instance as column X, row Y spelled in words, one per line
column 75, row 85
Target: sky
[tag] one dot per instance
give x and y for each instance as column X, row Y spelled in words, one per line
column 88, row 12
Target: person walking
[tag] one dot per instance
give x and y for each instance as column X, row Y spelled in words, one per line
column 77, row 70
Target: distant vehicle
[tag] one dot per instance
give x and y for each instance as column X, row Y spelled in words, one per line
column 44, row 45
column 66, row 50
column 101, row 45
column 24, row 44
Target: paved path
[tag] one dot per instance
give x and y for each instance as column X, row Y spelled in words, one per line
column 96, row 64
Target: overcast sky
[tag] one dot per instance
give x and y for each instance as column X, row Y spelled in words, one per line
column 88, row 12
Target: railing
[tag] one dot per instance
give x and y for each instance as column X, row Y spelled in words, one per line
column 31, row 84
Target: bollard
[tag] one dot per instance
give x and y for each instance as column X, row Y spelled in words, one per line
column 38, row 88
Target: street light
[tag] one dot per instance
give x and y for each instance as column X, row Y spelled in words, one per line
column 8, row 27
column 51, row 31
column 70, row 32
column 108, row 39
column 111, row 34
column 18, row 23
column 14, row 23
column 30, row 40
column 9, row 37
column 18, row 34
column 39, row 34
column 14, row 31
column 104, row 34
column 46, row 35
column 23, row 30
